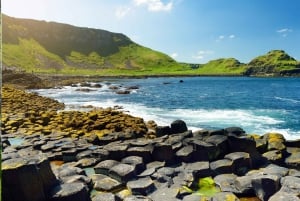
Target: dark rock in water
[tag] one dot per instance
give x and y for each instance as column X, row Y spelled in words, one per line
column 107, row 184
column 84, row 90
column 104, row 166
column 265, row 186
column 123, row 92
column 226, row 182
column 224, row 196
column 162, row 130
column 235, row 130
column 106, row 197
column 178, row 126
column 70, row 192
column 241, row 162
column 216, row 132
column 122, row 172
column 163, row 152
column 28, row 179
column 143, row 186
column 222, row 166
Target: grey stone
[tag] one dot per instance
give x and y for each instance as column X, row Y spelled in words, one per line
column 137, row 198
column 199, row 169
column 241, row 162
column 165, row 194
column 122, row 172
column 226, row 182
column 106, row 197
column 222, row 166
column 293, row 161
column 163, row 152
column 69, row 192
column 107, row 184
column 136, row 161
column 144, row 152
column 185, row 154
column 143, row 186
column 104, row 166
column 265, row 186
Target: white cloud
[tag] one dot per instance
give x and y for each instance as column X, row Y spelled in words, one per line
column 122, row 11
column 174, row 55
column 223, row 37
column 203, row 54
column 284, row 32
column 155, row 5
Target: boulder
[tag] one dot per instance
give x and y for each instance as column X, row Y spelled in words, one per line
column 178, row 126
column 265, row 186
column 137, row 198
column 226, row 182
column 276, row 141
column 241, row 162
column 235, row 131
column 274, row 156
column 28, row 179
column 222, row 166
column 198, row 169
column 142, row 186
column 145, row 152
column 185, row 154
column 162, row 130
column 163, row 152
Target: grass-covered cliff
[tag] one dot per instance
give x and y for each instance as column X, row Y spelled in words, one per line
column 49, row 47
column 55, row 48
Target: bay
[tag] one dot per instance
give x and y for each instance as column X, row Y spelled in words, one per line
column 258, row 105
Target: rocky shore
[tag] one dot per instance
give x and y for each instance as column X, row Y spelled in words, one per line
column 105, row 154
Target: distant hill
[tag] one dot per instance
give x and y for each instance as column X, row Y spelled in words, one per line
column 40, row 46
column 55, row 48
column 275, row 62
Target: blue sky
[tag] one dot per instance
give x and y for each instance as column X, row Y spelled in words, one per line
column 193, row 31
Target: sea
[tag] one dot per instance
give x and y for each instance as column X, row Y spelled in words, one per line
column 258, row 105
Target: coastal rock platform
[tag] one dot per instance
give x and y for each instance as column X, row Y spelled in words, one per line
column 133, row 160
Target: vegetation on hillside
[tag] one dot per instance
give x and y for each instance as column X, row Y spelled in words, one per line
column 55, row 48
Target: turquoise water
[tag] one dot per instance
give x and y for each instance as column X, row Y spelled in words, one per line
column 258, row 105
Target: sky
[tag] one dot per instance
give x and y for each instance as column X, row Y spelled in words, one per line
column 193, row 31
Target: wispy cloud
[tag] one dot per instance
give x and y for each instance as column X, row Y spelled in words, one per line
column 174, row 55
column 202, row 54
column 154, row 5
column 223, row 37
column 122, row 11
column 284, row 32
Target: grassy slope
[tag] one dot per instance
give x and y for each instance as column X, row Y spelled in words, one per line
column 47, row 47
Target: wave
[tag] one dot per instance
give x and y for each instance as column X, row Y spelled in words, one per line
column 287, row 99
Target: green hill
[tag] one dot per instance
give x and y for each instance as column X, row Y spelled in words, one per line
column 275, row 62
column 48, row 47
column 55, row 48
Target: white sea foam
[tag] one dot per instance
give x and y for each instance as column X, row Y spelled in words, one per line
column 287, row 99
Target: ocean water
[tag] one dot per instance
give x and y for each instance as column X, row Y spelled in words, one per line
column 258, row 105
